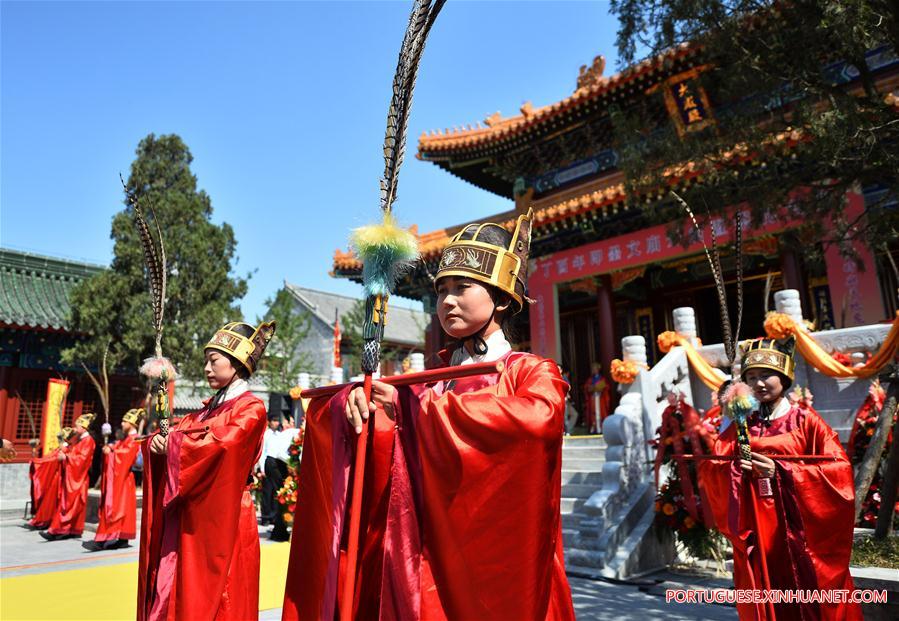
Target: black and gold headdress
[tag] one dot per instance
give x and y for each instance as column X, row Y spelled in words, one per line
column 247, row 350
column 502, row 267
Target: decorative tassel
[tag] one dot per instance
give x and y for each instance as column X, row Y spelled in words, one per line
column 386, row 252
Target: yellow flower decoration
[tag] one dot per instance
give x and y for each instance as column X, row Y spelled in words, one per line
column 625, row 371
column 668, row 339
column 295, row 392
column 689, row 522
column 779, row 325
column 668, row 509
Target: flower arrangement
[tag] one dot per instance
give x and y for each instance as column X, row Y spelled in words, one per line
column 287, row 495
column 679, row 507
column 287, row 498
column 779, row 325
column 626, row 371
column 295, row 392
column 801, row 396
column 862, row 432
column 668, row 339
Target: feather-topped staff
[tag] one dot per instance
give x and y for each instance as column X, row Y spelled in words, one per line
column 385, row 250
column 158, row 370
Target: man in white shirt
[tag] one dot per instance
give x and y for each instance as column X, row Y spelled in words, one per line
column 269, row 502
column 276, row 457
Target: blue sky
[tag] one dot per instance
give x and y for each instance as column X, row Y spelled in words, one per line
column 282, row 104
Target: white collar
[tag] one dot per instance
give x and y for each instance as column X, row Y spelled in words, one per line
column 133, row 432
column 83, row 435
column 237, row 387
column 782, row 408
column 497, row 347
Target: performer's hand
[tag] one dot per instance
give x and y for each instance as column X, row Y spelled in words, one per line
column 60, row 457
column 107, row 450
column 357, row 410
column 383, row 394
column 159, row 444
column 762, row 466
column 7, row 451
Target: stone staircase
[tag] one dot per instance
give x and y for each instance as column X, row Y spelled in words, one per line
column 582, row 460
column 597, row 543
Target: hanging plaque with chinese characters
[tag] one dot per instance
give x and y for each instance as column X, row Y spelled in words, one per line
column 687, row 102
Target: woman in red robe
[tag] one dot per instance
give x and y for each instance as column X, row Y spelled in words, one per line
column 118, row 500
column 44, row 473
column 461, row 509
column 199, row 549
column 790, row 522
column 74, row 480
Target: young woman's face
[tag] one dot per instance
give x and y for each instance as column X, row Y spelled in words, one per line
column 218, row 369
column 766, row 384
column 464, row 306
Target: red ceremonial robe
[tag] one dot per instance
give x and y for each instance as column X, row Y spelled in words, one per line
column 199, row 545
column 799, row 538
column 44, row 472
column 118, row 502
column 461, row 508
column 74, row 479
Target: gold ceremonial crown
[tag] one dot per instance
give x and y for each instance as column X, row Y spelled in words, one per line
column 242, row 341
column 133, row 416
column 84, row 421
column 500, row 266
column 769, row 354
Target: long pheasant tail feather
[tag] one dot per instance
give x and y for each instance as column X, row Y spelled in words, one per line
column 420, row 22
column 155, row 262
column 718, row 274
column 159, row 288
column 715, row 267
column 738, row 249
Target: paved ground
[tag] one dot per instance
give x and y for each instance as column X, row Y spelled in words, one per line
column 59, row 570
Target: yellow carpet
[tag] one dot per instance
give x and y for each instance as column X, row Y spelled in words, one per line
column 110, row 591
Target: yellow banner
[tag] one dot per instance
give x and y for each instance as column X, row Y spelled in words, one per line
column 54, row 406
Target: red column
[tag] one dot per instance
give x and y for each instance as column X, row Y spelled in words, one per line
column 608, row 340
column 793, row 274
column 434, row 342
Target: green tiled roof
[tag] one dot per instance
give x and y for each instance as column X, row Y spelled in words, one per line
column 34, row 289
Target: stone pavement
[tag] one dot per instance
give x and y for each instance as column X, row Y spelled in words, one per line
column 25, row 553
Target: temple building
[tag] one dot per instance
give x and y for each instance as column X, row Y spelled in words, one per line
column 599, row 271
column 34, row 311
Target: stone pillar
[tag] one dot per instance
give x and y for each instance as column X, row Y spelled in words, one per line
column 336, row 375
column 789, row 303
column 685, row 323
column 606, row 311
column 303, row 381
column 416, row 362
column 634, row 349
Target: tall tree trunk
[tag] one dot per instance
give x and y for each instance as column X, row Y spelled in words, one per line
column 890, row 486
column 871, row 460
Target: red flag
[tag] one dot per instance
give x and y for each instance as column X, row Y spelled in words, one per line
column 336, row 346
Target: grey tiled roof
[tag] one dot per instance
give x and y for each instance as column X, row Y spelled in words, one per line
column 404, row 326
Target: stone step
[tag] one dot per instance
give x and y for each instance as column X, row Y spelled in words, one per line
column 579, row 490
column 580, row 452
column 572, row 520
column 586, row 464
column 587, row 559
column 580, row 538
column 583, row 441
column 581, row 477
column 570, row 505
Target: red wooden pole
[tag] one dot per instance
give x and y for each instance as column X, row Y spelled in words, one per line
column 422, row 377
column 349, row 580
